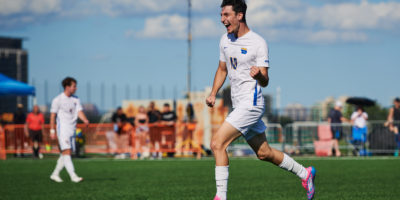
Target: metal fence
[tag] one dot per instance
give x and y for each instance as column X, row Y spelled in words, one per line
column 303, row 137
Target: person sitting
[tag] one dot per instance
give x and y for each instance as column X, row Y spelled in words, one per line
column 142, row 133
column 359, row 120
column 119, row 120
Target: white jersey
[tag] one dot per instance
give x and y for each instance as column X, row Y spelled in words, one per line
column 67, row 109
column 240, row 54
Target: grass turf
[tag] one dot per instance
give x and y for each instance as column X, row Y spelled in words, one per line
column 192, row 179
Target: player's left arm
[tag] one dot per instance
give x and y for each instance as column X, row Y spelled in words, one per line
column 259, row 71
column 260, row 74
column 82, row 116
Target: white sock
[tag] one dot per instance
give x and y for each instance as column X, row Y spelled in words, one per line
column 69, row 165
column 59, row 166
column 221, row 178
column 291, row 165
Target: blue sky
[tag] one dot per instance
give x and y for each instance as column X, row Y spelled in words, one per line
column 318, row 48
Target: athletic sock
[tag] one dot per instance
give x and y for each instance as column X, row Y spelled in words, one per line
column 291, row 165
column 221, row 178
column 35, row 152
column 59, row 166
column 69, row 165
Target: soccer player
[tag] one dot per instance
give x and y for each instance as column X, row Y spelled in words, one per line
column 244, row 59
column 68, row 108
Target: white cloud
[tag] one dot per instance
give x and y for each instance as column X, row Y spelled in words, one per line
column 10, row 7
column 176, row 27
column 339, row 21
column 164, row 26
column 318, row 21
column 136, row 7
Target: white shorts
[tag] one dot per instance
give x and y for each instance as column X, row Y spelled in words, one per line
column 247, row 121
column 141, row 129
column 66, row 138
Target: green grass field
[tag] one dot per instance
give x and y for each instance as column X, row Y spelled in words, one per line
column 372, row 178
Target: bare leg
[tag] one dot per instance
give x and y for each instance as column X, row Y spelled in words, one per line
column 265, row 153
column 336, row 147
column 219, row 142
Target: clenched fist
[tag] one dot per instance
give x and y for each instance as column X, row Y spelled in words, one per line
column 210, row 101
column 255, row 72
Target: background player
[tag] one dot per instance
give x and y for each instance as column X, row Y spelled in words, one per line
column 68, row 108
column 247, row 56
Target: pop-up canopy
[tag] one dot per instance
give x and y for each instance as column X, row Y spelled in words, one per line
column 9, row 86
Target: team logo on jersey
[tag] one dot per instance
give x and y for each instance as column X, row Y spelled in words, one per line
column 244, row 50
column 266, row 61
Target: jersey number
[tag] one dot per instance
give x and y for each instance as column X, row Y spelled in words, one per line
column 233, row 62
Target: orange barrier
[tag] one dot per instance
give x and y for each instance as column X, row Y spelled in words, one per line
column 3, row 153
column 97, row 139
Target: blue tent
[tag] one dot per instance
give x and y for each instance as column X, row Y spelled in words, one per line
column 9, row 86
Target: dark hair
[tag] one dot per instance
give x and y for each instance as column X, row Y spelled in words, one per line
column 68, row 82
column 239, row 6
column 397, row 99
column 360, row 108
column 166, row 104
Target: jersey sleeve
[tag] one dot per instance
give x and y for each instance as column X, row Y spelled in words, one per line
column 262, row 59
column 55, row 106
column 78, row 105
column 221, row 50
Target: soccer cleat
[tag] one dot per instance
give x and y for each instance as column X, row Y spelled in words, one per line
column 56, row 178
column 76, row 179
column 308, row 183
column 217, row 198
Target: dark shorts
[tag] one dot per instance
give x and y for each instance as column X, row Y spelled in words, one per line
column 337, row 132
column 36, row 136
column 155, row 134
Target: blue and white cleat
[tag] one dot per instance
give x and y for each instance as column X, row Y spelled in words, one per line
column 308, row 183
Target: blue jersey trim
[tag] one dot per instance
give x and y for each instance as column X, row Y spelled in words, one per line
column 255, row 95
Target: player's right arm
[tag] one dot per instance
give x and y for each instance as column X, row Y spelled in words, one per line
column 53, row 111
column 52, row 122
column 219, row 80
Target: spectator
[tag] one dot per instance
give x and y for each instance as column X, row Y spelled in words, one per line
column 34, row 127
column 168, row 118
column 190, row 126
column 142, row 132
column 118, row 118
column 121, row 128
column 393, row 121
column 19, row 118
column 336, row 118
column 190, row 116
column 394, row 113
column 359, row 120
column 154, row 116
column 123, row 135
